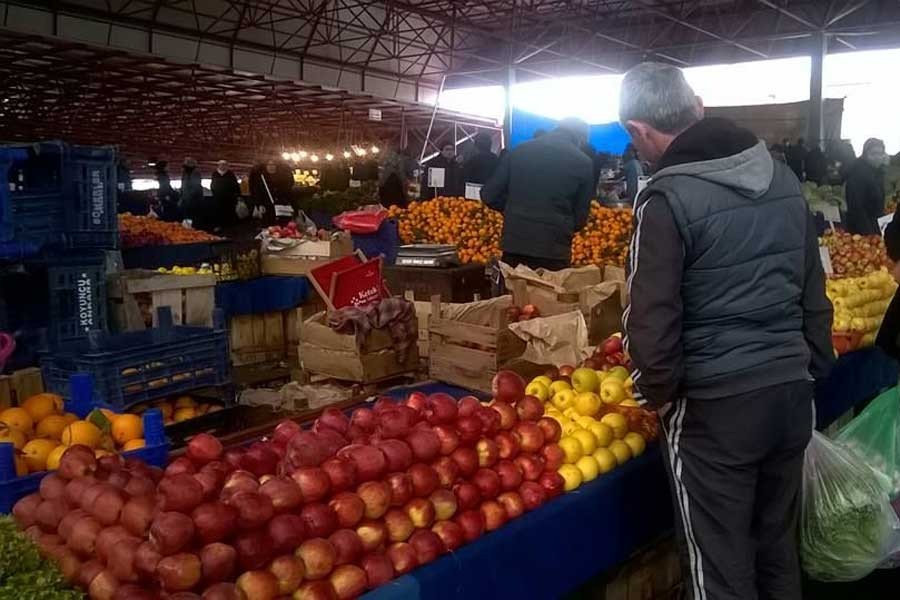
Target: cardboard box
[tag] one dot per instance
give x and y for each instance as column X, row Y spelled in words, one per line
column 300, row 258
column 325, row 352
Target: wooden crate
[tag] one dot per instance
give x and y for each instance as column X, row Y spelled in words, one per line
column 423, row 314
column 18, row 386
column 466, row 354
column 257, row 339
column 293, row 321
column 135, row 295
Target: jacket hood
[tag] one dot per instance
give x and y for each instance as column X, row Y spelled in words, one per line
column 718, row 151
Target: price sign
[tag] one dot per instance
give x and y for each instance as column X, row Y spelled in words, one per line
column 436, row 177
column 831, row 213
column 825, row 257
column 473, row 191
column 374, row 114
column 355, row 183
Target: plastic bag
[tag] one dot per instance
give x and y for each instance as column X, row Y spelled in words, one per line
column 875, row 434
column 847, row 524
column 367, row 219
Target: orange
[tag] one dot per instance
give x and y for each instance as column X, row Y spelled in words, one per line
column 18, row 418
column 183, row 414
column 127, row 427
column 82, row 432
column 41, row 406
column 12, row 436
column 70, row 417
column 51, row 427
column 36, row 452
column 184, row 402
column 54, row 457
column 133, row 444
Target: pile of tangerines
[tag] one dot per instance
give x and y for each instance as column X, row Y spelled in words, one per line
column 605, row 238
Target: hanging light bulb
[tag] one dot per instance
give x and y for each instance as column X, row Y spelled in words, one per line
column 362, row 152
column 303, row 154
column 286, row 155
column 295, row 157
column 375, row 150
column 346, row 154
column 314, row 158
column 329, row 156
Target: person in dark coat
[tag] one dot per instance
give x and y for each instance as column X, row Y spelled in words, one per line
column 481, row 165
column 392, row 178
column 543, row 187
column 166, row 198
column 445, row 160
column 727, row 326
column 271, row 188
column 816, row 165
column 225, row 192
column 193, row 204
column 632, row 169
column 864, row 189
column 795, row 156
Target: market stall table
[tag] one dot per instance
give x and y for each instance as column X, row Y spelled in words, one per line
column 261, row 295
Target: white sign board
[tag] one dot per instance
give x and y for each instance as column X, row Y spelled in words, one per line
column 831, row 213
column 355, row 183
column 436, row 177
column 473, row 191
column 374, row 114
column 825, row 256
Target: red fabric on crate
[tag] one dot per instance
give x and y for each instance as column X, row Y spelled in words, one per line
column 396, row 314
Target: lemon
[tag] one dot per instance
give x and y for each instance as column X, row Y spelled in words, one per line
column 602, row 432
column 82, row 432
column 636, row 442
column 589, row 468
column 587, row 439
column 572, row 448
column 621, row 450
column 606, row 460
column 571, row 476
column 36, row 452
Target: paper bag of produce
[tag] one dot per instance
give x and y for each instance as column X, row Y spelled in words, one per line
column 489, row 313
column 557, row 340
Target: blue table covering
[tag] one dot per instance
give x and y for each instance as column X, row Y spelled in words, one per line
column 856, row 377
column 554, row 549
column 261, row 295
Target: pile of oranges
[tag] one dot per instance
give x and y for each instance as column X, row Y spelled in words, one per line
column 468, row 224
column 605, row 238
column 41, row 431
column 136, row 231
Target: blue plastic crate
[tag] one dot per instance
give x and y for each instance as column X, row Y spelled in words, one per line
column 90, row 208
column 140, row 366
column 77, row 294
column 385, row 242
column 155, row 452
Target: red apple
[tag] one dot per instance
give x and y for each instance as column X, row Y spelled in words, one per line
column 394, row 423
column 401, row 488
column 217, row 562
column 531, row 465
column 420, row 511
column 398, row 454
column 169, row 533
column 289, row 571
column 376, row 496
column 258, row 585
column 306, row 449
column 239, row 481
column 253, row 509
column 365, row 419
column 403, row 557
column 333, row 418
column 285, row 494
column 469, row 428
column 424, row 479
column 416, row 401
column 513, row 503
column 566, row 370
column 254, row 549
column 508, row 416
column 530, row 408
column 378, row 567
column 370, row 461
column 399, row 525
column 507, row 444
column 425, row 444
column 284, row 431
column 494, row 515
column 372, row 533
column 341, row 474
column 467, row 406
column 316, row 590
column 488, row 453
column 348, row 507
column 347, row 544
column 490, row 420
column 314, row 483
column 287, row 532
column 145, row 560
column 427, row 544
column 260, row 459
column 612, row 345
column 182, row 464
column 468, row 496
column 318, row 556
column 487, row 482
column 178, row 573
column 552, row 430
column 533, row 495
column 448, row 437
column 447, row 471
column 179, row 492
column 510, row 475
column 553, row 457
column 467, row 461
column 531, row 436
column 204, row 448
column 445, row 505
column 507, row 386
column 214, row 521
column 553, row 483
column 320, row 519
column 451, row 533
column 348, row 581
column 440, row 408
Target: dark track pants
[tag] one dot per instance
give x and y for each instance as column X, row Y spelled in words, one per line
column 735, row 466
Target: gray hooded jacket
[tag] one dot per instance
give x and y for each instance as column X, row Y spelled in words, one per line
column 726, row 287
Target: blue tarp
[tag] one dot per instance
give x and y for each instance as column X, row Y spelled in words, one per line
column 606, row 137
column 262, row 295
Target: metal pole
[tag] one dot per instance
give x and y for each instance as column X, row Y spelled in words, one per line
column 817, row 55
column 507, row 122
column 431, row 122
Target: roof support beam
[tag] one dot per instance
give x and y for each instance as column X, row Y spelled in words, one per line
column 791, row 15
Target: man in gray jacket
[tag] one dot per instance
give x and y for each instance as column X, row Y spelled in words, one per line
column 728, row 324
column 543, row 187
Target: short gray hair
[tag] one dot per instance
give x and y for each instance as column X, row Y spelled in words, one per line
column 658, row 95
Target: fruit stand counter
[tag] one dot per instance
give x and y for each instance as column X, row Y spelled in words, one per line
column 554, row 549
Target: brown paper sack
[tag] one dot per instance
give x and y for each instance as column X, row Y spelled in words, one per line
column 557, row 340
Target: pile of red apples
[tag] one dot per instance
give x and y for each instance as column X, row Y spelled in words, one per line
column 324, row 513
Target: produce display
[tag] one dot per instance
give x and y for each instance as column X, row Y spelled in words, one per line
column 524, row 313
column 824, row 197
column 136, row 231
column 321, row 513
column 859, row 306
column 41, row 432
column 24, row 573
column 854, row 255
column 182, row 408
column 469, row 224
column 605, row 238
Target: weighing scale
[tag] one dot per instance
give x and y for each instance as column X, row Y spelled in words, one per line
column 427, row 255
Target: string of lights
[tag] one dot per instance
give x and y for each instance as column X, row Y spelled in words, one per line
column 297, row 156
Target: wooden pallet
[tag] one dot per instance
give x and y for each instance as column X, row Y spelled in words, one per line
column 132, row 293
column 18, row 386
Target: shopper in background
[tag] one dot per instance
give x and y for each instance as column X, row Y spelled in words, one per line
column 445, row 160
column 225, row 192
column 271, row 188
column 166, row 199
column 479, row 167
column 395, row 171
column 633, row 171
column 192, row 193
column 864, row 190
column 816, row 166
column 795, row 156
column 543, row 187
column 727, row 325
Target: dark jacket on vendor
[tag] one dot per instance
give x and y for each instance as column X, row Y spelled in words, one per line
column 479, row 167
column 729, row 287
column 865, row 195
column 543, row 187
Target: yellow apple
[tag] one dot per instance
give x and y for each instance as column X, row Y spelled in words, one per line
column 587, row 404
column 587, row 439
column 543, row 379
column 570, row 427
column 538, row 389
column 572, row 477
column 636, row 442
column 619, row 372
column 612, row 391
column 603, row 433
column 606, row 460
column 621, row 450
column 558, row 386
column 589, row 468
column 571, row 413
column 572, row 449
column 563, row 399
column 629, row 402
column 585, row 421
column 617, row 423
column 585, row 380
